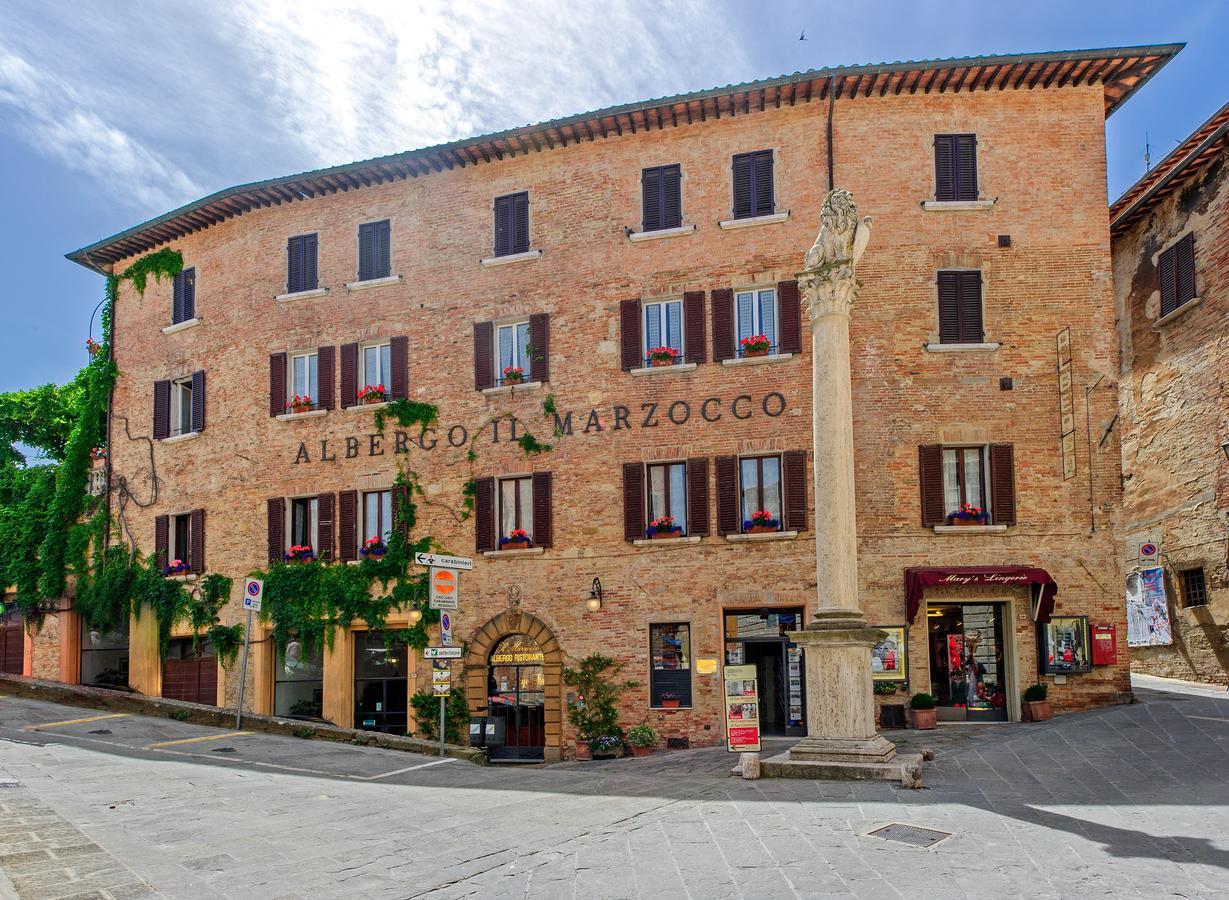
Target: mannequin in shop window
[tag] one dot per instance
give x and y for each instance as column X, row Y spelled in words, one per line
column 973, row 670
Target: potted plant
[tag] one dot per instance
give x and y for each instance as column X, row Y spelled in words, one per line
column 372, row 393
column 516, row 539
column 514, row 375
column 582, row 750
column 761, row 522
column 176, row 567
column 756, row 345
column 642, row 738
column 594, row 712
column 662, row 356
column 924, row 715
column 374, row 548
column 300, row 553
column 1036, row 703
column 93, row 346
column 300, row 404
column 608, row 746
column 98, row 453
column 669, row 700
column 884, row 688
column 663, row 527
column 968, row 514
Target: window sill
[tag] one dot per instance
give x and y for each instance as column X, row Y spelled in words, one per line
column 179, row 438
column 182, row 576
column 181, row 326
column 757, row 538
column 988, row 347
column 310, row 414
column 302, row 295
column 512, row 388
column 531, row 551
column 491, row 261
column 666, row 542
column 671, row 708
column 359, row 407
column 1178, row 313
column 957, row 205
column 758, row 360
column 661, row 233
column 752, row 221
column 970, row 529
column 372, row 282
column 664, row 370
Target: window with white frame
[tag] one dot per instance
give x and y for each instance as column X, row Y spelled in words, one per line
column 375, row 366
column 181, row 406
column 179, row 539
column 663, row 326
column 304, row 516
column 759, row 484
column 755, row 313
column 964, row 478
column 302, row 379
column 667, row 492
column 516, row 505
column 512, row 346
column 377, row 515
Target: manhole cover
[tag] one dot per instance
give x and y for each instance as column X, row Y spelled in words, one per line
column 223, row 749
column 910, row 834
column 101, row 731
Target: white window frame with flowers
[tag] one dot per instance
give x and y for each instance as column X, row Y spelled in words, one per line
column 382, row 357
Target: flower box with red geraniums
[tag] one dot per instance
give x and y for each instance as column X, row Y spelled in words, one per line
column 514, row 375
column 372, row 393
column 299, row 404
column 374, row 548
column 177, row 567
column 300, row 553
column 93, row 346
column 761, row 522
column 663, row 356
column 517, row 539
column 663, row 527
column 756, row 345
column 968, row 514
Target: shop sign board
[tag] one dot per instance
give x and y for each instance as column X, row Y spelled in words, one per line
column 445, row 588
column 742, row 709
column 440, row 561
column 441, row 652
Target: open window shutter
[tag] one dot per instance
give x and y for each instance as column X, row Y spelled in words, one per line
column 162, row 527
column 484, row 360
column 671, row 197
column 162, row 409
column 630, row 354
column 399, row 362
column 972, row 330
column 277, row 383
column 945, row 167
column 727, row 495
column 324, row 527
column 742, row 187
column 1002, row 484
column 794, row 467
column 324, row 378
column 196, row 560
column 697, row 496
column 693, row 324
column 723, row 324
column 277, row 532
column 930, row 483
column 1184, row 264
column 539, row 340
column 484, row 514
column 1165, row 269
column 543, row 510
column 189, row 294
column 789, row 311
column 949, row 307
column 310, row 279
column 520, row 223
column 966, row 166
column 650, row 199
column 633, row 501
column 503, row 226
column 198, row 401
column 347, row 525
column 349, row 374
column 765, row 202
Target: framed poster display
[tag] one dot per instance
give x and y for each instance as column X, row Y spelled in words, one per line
column 742, row 709
column 888, row 658
column 1063, row 646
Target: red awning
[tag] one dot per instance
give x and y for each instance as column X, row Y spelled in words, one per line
column 1042, row 587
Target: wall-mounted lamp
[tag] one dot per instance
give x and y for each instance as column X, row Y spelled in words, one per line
column 1225, row 449
column 414, row 616
column 593, row 602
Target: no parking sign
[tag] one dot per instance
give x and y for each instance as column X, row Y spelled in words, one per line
column 253, row 590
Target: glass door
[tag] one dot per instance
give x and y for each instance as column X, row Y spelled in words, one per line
column 516, row 699
column 381, row 697
column 968, row 670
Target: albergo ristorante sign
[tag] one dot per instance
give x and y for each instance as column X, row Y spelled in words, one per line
column 651, row 414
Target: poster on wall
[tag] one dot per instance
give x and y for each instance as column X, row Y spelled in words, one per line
column 742, row 709
column 888, row 656
column 1148, row 610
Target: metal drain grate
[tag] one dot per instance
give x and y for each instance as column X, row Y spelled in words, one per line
column 912, row 835
column 10, row 784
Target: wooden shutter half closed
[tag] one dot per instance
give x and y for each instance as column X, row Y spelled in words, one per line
column 697, row 497
column 325, row 363
column 543, row 510
column 349, row 375
column 789, row 310
column 930, row 484
column 695, row 345
column 198, row 401
column 794, row 468
column 1003, row 484
column 539, row 342
column 484, row 514
column 484, row 360
column 347, row 525
column 399, row 362
column 633, row 501
column 277, row 528
column 723, row 324
column 727, row 495
column 325, row 528
column 277, row 384
column 162, row 409
column 196, row 550
column 162, row 528
column 630, row 355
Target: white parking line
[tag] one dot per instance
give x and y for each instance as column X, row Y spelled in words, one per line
column 426, row 765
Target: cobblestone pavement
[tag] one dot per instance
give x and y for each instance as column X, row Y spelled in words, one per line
column 1131, row 801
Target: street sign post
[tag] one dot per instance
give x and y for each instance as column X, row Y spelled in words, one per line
column 440, row 561
column 445, row 588
column 253, row 593
column 441, row 652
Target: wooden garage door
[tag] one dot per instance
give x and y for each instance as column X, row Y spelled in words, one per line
column 12, row 643
column 189, row 676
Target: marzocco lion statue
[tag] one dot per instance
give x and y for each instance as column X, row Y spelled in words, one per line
column 842, row 238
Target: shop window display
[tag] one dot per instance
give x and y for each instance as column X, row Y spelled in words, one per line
column 1064, row 646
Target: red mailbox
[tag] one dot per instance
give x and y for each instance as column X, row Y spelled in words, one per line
column 1104, row 645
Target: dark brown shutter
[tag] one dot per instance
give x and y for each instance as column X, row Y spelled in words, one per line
column 727, row 495
column 949, row 307
column 162, row 409
column 277, row 383
column 794, row 468
column 539, row 341
column 324, row 527
column 189, row 294
column 399, row 362
column 324, row 378
column 765, row 204
column 633, row 501
column 277, row 532
column 631, row 355
column 198, row 401
column 196, row 559
column 972, row 330
column 349, row 375
column 543, row 510
column 484, row 514
column 162, row 528
column 697, row 496
column 671, row 197
column 177, row 299
column 520, row 223
column 484, row 360
column 503, row 226
column 347, row 525
column 930, row 483
column 789, row 310
column 1184, row 266
column 945, row 167
column 723, row 324
column 650, row 199
column 693, row 327
column 1002, row 484
column 401, row 508
column 743, row 207
column 966, row 167
column 1165, row 269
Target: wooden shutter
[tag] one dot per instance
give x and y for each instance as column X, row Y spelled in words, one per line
column 520, row 223
column 189, row 294
column 384, row 249
column 697, row 497
column 539, row 342
column 324, row 527
column 301, row 264
column 743, row 207
column 198, row 401
column 310, row 280
column 1165, row 269
column 162, row 409
column 633, row 501
column 484, row 514
column 196, row 558
column 966, row 166
column 631, row 355
column 1176, row 271
column 650, row 199
column 727, row 495
column 945, row 167
column 484, row 360
column 671, row 197
column 723, row 324
column 789, row 316
column 1002, row 484
column 347, row 525
column 277, row 384
column 503, row 226
column 366, row 251
column 401, row 509
column 764, row 202
column 695, row 345
column 177, row 299
column 930, row 484
column 324, row 378
column 972, row 331
column 399, row 362
column 349, row 375
column 277, row 528
column 794, row 468
column 543, row 510
column 949, row 308
column 162, row 528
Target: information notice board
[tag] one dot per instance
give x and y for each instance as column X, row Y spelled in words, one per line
column 742, row 709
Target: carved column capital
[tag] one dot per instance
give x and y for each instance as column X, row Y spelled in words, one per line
column 829, row 291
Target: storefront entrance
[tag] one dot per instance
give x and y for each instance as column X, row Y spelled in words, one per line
column 381, row 697
column 104, row 656
column 12, row 641
column 758, row 637
column 516, row 701
column 190, row 674
column 968, row 662
column 298, row 681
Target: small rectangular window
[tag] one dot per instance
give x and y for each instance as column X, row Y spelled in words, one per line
column 515, row 506
column 960, row 307
column 753, row 188
column 512, row 345
column 512, row 224
column 667, row 493
column 663, row 327
column 955, row 167
column 181, row 540
column 1194, row 587
column 377, row 515
column 303, row 519
column 964, row 480
column 661, row 197
column 303, row 378
column 760, row 491
column 374, row 250
column 670, row 660
column 755, row 313
column 1176, row 274
column 181, row 406
column 183, row 296
column 301, row 264
column 375, row 366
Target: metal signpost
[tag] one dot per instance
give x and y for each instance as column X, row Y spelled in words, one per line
column 441, row 678
column 445, row 585
column 253, row 591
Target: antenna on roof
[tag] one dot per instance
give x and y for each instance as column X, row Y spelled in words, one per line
column 1147, row 154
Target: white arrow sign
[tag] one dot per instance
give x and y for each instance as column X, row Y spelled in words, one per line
column 441, row 652
column 440, row 561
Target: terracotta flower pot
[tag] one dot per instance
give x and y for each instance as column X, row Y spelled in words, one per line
column 1038, row 710
column 670, row 704
column 515, row 545
column 518, row 379
column 763, row 351
column 665, row 535
column 641, row 751
column 658, row 363
column 762, row 529
column 961, row 523
column 925, row 719
column 301, row 409
column 371, row 401
column 582, row 750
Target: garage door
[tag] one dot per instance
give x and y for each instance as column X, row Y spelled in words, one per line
column 189, row 675
column 12, row 642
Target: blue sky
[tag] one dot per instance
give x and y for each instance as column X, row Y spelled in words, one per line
column 111, row 113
